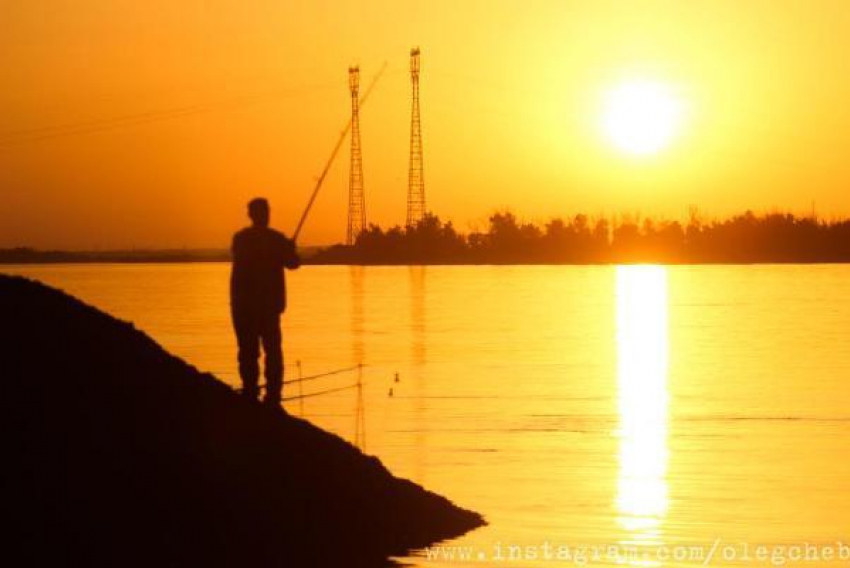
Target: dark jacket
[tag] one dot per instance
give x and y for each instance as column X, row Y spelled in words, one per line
column 257, row 282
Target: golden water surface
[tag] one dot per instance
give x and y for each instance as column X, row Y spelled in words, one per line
column 633, row 415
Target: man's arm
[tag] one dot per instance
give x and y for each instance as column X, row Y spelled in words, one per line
column 290, row 258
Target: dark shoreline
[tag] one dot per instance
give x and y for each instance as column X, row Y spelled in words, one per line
column 121, row 454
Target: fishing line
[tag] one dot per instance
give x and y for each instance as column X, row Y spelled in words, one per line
column 14, row 137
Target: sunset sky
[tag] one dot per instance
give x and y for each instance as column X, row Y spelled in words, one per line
column 150, row 124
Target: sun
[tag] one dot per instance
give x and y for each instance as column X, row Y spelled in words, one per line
column 642, row 117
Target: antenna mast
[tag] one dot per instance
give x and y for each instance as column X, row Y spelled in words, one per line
column 356, row 198
column 415, row 178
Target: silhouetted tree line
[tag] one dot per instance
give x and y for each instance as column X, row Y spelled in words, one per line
column 746, row 238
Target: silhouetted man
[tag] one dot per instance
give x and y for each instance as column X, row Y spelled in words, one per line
column 258, row 298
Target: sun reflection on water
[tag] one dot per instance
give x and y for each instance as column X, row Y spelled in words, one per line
column 642, row 361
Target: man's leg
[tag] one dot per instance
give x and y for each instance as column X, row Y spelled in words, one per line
column 248, row 341
column 274, row 358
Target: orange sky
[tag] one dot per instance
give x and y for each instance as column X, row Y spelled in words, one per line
column 511, row 101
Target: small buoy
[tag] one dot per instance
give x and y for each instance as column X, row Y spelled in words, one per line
column 396, row 378
column 391, row 391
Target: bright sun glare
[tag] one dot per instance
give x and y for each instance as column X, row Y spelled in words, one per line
column 641, row 117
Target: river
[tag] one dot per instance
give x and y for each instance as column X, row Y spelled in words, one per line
column 637, row 415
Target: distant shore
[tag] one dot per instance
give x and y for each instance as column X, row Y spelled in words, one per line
column 25, row 255
column 340, row 255
column 748, row 238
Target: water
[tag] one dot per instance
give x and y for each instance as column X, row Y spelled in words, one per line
column 673, row 413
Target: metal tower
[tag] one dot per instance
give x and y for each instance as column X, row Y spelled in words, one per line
column 356, row 198
column 415, row 178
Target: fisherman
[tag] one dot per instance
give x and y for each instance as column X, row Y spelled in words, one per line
column 258, row 298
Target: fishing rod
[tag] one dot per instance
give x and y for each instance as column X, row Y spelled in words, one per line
column 320, row 180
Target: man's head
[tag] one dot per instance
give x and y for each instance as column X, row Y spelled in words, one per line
column 258, row 211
